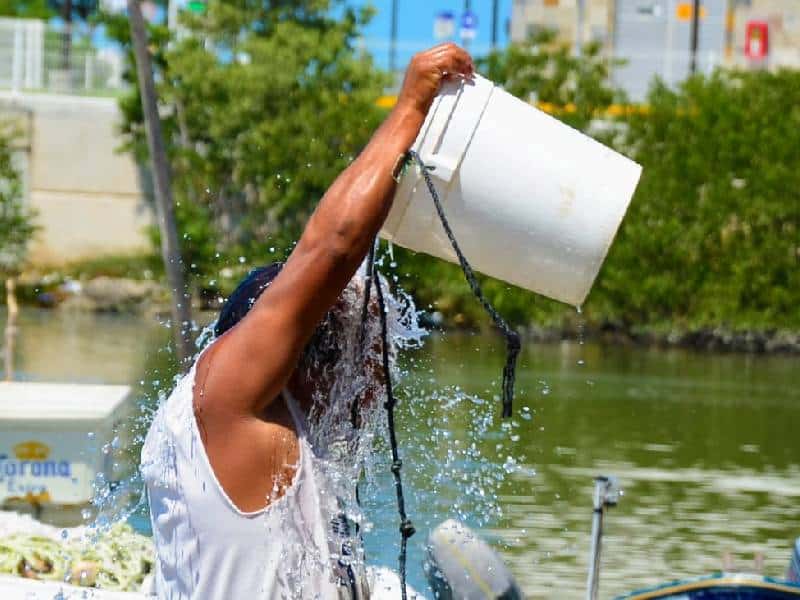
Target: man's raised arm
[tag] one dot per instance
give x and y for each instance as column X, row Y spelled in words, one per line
column 255, row 359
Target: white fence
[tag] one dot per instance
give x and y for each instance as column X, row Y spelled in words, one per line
column 32, row 59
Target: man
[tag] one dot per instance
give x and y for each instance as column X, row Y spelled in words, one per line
column 241, row 499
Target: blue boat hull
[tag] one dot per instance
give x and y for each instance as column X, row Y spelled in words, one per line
column 724, row 586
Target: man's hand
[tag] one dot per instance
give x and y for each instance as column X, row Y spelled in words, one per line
column 428, row 69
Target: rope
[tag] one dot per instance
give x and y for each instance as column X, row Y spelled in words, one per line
column 512, row 337
column 406, row 527
column 509, row 370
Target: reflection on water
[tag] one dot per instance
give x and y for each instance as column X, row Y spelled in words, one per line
column 83, row 347
column 706, row 448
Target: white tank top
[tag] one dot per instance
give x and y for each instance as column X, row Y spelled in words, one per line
column 208, row 549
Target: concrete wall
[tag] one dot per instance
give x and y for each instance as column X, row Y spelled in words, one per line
column 87, row 194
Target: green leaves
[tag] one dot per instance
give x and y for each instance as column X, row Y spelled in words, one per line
column 714, row 222
column 16, row 219
column 263, row 105
column 543, row 70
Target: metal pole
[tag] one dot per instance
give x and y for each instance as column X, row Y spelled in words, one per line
column 66, row 36
column 695, row 36
column 593, row 582
column 580, row 8
column 18, row 52
column 165, row 208
column 606, row 493
column 467, row 8
column 495, row 10
column 393, row 43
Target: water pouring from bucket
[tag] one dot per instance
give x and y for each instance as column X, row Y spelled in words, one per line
column 531, row 201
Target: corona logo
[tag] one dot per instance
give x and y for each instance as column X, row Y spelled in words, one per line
column 31, row 450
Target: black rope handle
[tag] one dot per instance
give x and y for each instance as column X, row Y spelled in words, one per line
column 512, row 337
column 509, row 370
column 406, row 527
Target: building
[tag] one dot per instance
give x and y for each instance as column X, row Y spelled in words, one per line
column 782, row 18
column 654, row 36
column 88, row 196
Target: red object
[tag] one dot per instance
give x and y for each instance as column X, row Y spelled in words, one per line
column 756, row 40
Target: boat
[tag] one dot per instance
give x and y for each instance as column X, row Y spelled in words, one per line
column 718, row 586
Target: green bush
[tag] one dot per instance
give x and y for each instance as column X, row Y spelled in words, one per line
column 264, row 105
column 712, row 237
column 16, row 218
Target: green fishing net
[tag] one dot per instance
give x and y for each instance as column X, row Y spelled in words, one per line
column 117, row 559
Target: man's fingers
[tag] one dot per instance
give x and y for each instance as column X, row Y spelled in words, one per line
column 451, row 59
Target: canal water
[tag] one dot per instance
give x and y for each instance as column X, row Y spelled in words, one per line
column 706, row 448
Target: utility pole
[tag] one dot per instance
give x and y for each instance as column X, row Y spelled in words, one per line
column 170, row 249
column 695, row 36
column 495, row 10
column 580, row 9
column 393, row 43
column 467, row 10
column 66, row 35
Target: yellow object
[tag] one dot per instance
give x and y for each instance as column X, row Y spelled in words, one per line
column 31, row 450
column 684, row 11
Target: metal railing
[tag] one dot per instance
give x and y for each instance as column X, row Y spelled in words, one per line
column 34, row 57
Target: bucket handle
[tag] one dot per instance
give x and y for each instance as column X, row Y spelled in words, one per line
column 443, row 148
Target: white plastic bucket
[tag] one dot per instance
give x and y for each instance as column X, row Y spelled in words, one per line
column 530, row 200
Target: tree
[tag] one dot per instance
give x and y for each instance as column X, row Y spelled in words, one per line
column 263, row 104
column 16, row 219
column 26, row 9
column 170, row 248
column 579, row 88
column 712, row 236
column 16, row 231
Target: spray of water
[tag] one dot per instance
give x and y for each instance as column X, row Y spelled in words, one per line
column 466, row 479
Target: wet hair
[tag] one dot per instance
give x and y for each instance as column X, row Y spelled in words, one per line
column 244, row 296
column 324, row 347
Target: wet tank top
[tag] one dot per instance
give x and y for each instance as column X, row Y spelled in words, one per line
column 208, row 549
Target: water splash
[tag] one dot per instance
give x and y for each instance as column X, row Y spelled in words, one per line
column 467, row 479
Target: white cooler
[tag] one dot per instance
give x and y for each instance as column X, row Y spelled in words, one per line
column 47, row 456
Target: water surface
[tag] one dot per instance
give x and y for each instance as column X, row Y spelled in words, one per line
column 706, row 447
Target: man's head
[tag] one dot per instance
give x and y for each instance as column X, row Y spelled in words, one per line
column 333, row 339
column 244, row 296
